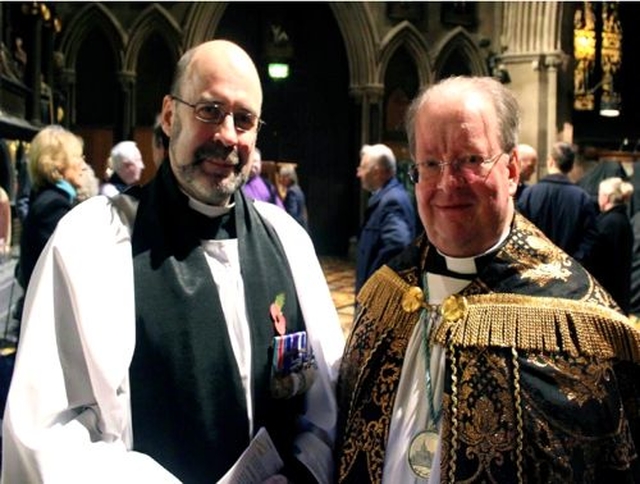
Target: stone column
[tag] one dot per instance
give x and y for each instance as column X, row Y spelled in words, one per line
column 124, row 128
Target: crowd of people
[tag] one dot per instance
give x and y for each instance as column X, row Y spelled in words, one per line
column 490, row 341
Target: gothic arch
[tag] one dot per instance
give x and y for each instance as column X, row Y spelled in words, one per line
column 360, row 41
column 86, row 20
column 405, row 35
column 354, row 21
column 202, row 21
column 154, row 19
column 458, row 41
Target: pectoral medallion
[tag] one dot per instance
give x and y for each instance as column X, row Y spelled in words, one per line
column 422, row 451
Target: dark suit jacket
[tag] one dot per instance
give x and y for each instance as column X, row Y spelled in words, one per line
column 389, row 226
column 46, row 208
column 564, row 212
column 296, row 206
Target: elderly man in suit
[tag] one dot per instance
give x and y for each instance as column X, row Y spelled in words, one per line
column 389, row 224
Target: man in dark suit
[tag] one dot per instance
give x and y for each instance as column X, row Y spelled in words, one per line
column 389, row 224
column 562, row 210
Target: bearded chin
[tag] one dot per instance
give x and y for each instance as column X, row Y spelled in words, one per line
column 222, row 192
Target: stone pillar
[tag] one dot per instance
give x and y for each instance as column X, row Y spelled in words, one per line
column 124, row 128
column 370, row 100
column 33, row 68
column 68, row 102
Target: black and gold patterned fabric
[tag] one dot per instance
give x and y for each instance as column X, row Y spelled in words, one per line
column 542, row 377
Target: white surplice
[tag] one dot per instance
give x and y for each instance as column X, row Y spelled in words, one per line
column 68, row 416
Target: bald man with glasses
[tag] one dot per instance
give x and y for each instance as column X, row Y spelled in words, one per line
column 169, row 327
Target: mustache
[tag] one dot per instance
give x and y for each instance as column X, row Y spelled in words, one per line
column 218, row 151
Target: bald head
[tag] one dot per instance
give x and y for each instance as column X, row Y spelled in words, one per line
column 213, row 60
column 528, row 157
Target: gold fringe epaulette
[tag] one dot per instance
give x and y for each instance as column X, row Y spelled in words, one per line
column 382, row 297
column 509, row 320
column 542, row 324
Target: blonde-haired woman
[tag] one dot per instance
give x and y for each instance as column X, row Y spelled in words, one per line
column 56, row 163
column 612, row 258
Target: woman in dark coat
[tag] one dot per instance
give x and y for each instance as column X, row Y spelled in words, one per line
column 56, row 165
column 611, row 263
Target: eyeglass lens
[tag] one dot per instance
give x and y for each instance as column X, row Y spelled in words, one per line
column 213, row 113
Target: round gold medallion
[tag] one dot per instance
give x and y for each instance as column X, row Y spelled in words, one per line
column 421, row 453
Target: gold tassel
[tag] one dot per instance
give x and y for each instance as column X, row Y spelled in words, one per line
column 526, row 323
column 542, row 324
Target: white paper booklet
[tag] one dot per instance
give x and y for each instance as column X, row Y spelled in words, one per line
column 259, row 461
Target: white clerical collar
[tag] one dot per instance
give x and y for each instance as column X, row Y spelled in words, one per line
column 211, row 211
column 467, row 265
column 442, row 286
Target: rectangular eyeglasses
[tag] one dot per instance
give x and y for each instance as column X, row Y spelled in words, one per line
column 214, row 113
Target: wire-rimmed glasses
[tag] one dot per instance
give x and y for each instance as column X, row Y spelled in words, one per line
column 214, row 113
column 431, row 170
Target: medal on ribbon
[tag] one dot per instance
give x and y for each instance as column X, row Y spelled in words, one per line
column 422, row 451
column 293, row 365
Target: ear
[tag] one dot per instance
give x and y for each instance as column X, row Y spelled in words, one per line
column 166, row 116
column 513, row 167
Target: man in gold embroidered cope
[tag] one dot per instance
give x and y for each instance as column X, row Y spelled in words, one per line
column 483, row 337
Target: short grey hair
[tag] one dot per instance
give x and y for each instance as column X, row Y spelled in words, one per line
column 123, row 152
column 381, row 155
column 503, row 100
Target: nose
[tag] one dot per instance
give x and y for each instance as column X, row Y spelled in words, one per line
column 226, row 131
column 451, row 177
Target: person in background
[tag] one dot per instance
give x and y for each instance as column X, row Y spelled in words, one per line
column 528, row 157
column 55, row 166
column 173, row 382
column 483, row 353
column 5, row 225
column 126, row 164
column 89, row 185
column 389, row 221
column 56, row 163
column 159, row 144
column 614, row 248
column 294, row 199
column 634, row 304
column 561, row 209
column 258, row 187
column 23, row 191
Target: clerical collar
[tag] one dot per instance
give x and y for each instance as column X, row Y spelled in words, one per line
column 470, row 265
column 210, row 211
column 449, row 275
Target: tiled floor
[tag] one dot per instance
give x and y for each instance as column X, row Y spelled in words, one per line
column 340, row 275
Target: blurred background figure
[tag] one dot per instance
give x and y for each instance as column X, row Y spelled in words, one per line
column 390, row 218
column 528, row 157
column 56, row 165
column 159, row 144
column 562, row 210
column 5, row 224
column 634, row 306
column 126, row 164
column 614, row 247
column 294, row 199
column 23, row 192
column 258, row 187
column 90, row 184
